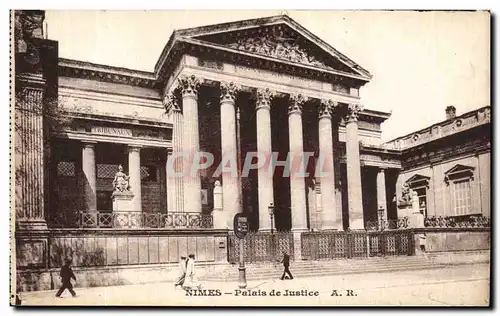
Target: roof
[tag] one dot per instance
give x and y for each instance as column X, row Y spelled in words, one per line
column 444, row 128
column 192, row 35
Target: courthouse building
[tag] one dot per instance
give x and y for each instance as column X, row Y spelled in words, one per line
column 261, row 85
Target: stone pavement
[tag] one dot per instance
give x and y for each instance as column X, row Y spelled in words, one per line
column 466, row 285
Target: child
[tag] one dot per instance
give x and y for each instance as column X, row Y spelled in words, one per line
column 66, row 275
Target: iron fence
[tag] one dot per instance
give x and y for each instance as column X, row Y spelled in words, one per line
column 391, row 243
column 400, row 223
column 457, row 221
column 131, row 220
column 261, row 247
column 356, row 244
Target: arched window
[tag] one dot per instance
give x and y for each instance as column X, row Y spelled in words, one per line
column 460, row 179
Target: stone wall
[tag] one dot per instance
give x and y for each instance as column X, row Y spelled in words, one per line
column 40, row 254
column 454, row 239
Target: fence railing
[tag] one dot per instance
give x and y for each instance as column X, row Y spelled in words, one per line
column 457, row 221
column 400, row 223
column 131, row 220
column 339, row 245
column 261, row 246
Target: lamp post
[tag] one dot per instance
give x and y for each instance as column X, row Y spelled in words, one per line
column 381, row 217
column 270, row 208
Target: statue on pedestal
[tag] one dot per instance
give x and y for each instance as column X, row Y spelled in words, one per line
column 121, row 181
column 406, row 196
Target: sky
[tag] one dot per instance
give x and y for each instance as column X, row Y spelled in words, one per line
column 421, row 62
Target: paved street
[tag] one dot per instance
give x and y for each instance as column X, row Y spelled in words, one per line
column 460, row 285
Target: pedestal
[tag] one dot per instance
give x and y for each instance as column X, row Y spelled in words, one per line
column 415, row 218
column 124, row 210
column 297, row 243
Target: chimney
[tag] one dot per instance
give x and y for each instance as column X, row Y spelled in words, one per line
column 451, row 112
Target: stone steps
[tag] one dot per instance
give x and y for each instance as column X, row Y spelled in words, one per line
column 313, row 271
column 353, row 266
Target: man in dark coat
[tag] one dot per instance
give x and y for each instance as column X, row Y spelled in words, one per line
column 286, row 264
column 66, row 275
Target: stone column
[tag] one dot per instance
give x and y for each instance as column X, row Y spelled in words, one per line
column 265, row 179
column 170, row 183
column 189, row 86
column 89, row 177
column 354, row 193
column 173, row 109
column 29, row 152
column 381, row 193
column 297, row 183
column 326, row 167
column 230, row 191
column 134, row 171
column 311, row 198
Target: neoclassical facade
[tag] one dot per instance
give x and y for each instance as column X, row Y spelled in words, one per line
column 264, row 86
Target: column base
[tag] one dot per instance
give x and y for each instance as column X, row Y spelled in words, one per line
column 37, row 224
column 357, row 224
column 267, row 230
column 330, row 229
column 297, row 242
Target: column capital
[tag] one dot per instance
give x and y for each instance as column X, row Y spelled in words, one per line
column 352, row 114
column 189, row 86
column 229, row 91
column 326, row 108
column 171, row 103
column 134, row 148
column 88, row 144
column 264, row 98
column 296, row 101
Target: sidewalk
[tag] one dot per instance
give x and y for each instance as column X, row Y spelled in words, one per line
column 462, row 285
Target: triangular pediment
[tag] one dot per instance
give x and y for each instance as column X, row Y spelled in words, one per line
column 459, row 171
column 279, row 38
column 459, row 168
column 418, row 180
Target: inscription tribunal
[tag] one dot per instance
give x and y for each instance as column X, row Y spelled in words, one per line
column 103, row 130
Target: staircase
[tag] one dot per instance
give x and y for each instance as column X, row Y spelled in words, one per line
column 353, row 266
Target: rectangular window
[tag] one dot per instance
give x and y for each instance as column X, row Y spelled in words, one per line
column 149, row 173
column 462, row 197
column 106, row 171
column 66, row 169
column 422, row 199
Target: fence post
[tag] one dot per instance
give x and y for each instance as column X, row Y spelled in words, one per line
column 350, row 244
column 383, row 242
column 411, row 248
column 367, row 245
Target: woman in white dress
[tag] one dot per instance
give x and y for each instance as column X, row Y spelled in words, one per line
column 182, row 274
column 190, row 281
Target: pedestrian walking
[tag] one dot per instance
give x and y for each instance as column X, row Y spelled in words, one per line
column 286, row 265
column 423, row 243
column 182, row 269
column 66, row 275
column 190, row 281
